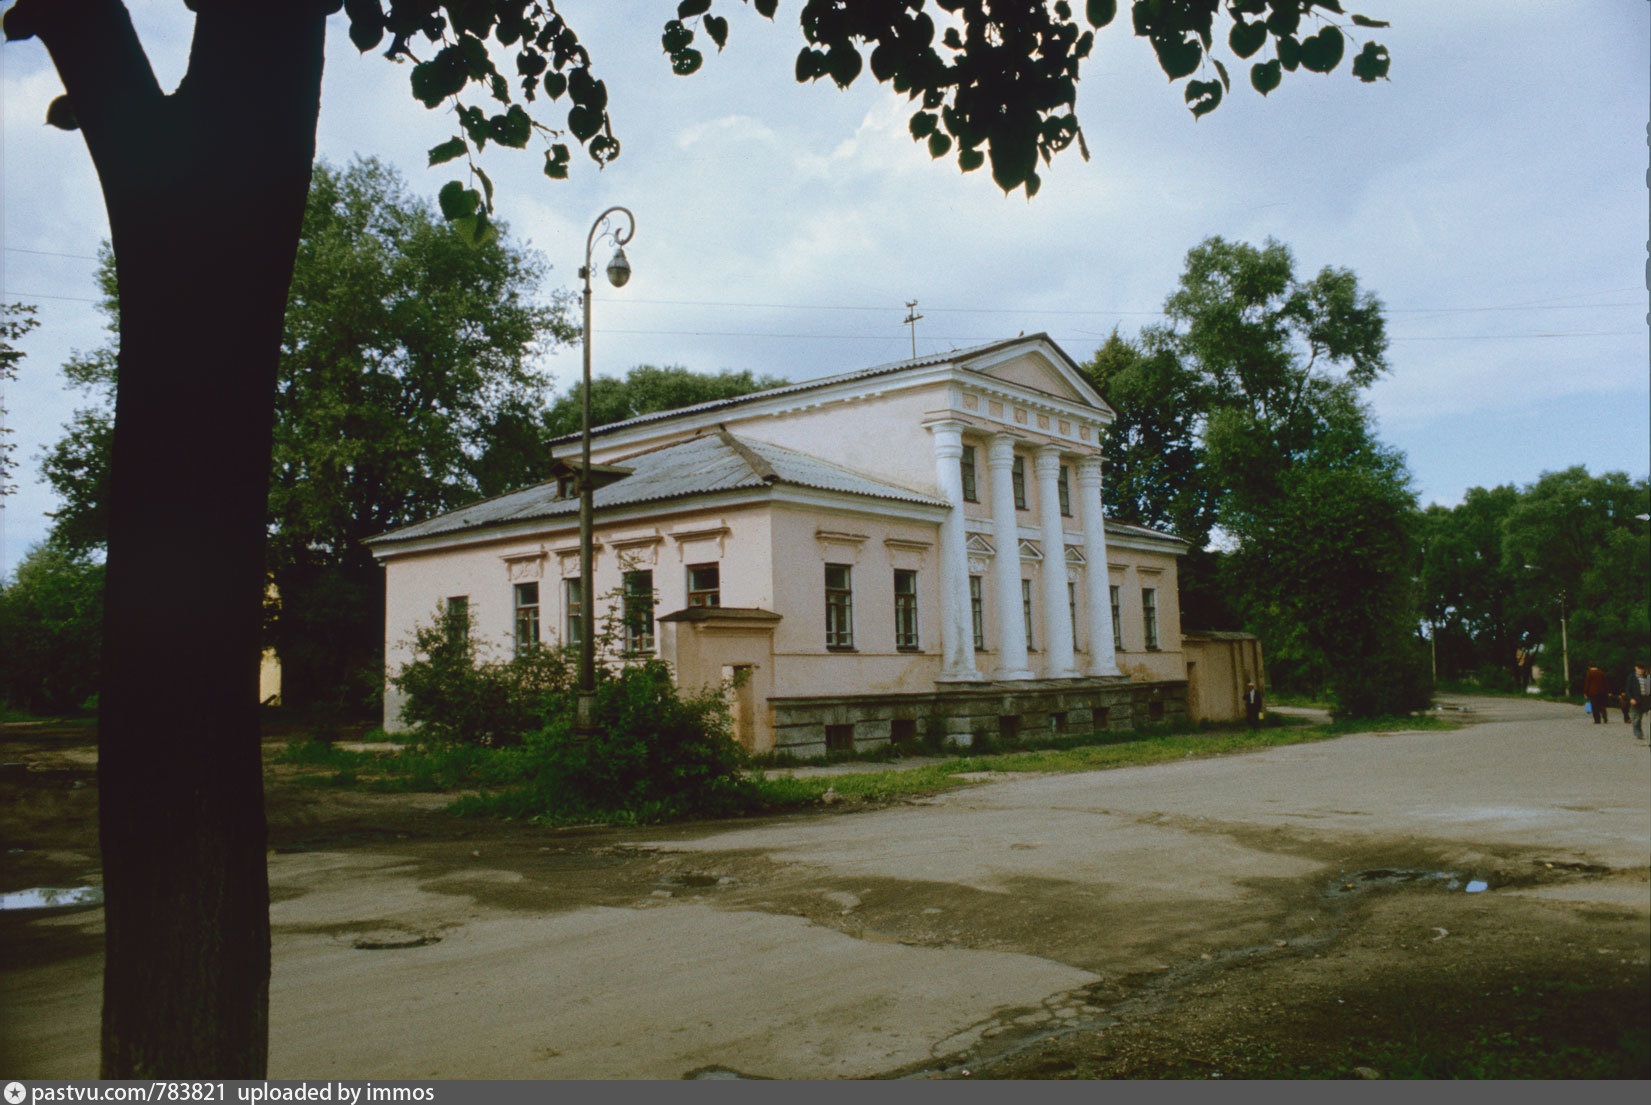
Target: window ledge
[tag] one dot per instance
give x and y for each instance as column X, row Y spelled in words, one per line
column 841, row 648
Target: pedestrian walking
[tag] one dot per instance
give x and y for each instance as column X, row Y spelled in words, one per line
column 1596, row 688
column 1638, row 698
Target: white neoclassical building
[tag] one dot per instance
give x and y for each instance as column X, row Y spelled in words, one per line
column 916, row 549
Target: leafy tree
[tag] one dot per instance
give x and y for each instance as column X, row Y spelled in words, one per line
column 1578, row 543
column 404, row 350
column 49, row 630
column 16, row 320
column 202, row 300
column 647, row 389
column 1154, row 453
column 1467, row 591
column 1241, row 412
column 1325, row 570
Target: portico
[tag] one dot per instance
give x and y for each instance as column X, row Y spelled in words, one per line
column 1068, row 564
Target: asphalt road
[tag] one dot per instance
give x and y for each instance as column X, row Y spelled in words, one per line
column 852, row 944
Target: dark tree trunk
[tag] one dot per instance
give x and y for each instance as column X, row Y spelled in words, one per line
column 205, row 191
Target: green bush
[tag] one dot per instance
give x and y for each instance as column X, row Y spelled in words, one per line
column 454, row 694
column 1390, row 679
column 657, row 754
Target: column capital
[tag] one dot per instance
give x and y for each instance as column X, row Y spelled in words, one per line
column 948, row 437
column 1047, row 460
column 1000, row 450
column 1089, row 470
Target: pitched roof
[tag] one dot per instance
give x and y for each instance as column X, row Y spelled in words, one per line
column 808, row 385
column 702, row 465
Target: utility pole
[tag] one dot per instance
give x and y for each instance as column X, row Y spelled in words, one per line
column 911, row 320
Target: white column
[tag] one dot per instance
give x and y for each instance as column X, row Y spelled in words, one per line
column 1059, row 661
column 1103, row 658
column 957, row 638
column 1011, row 618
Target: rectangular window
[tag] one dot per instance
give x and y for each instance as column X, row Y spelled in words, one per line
column 639, row 612
column 1072, row 605
column 1017, row 476
column 1064, row 486
column 573, row 613
column 970, row 489
column 455, row 619
column 704, row 585
column 1149, row 615
column 839, row 600
column 527, row 616
column 1117, row 619
column 840, row 738
column 977, row 613
column 905, row 610
column 1026, row 605
column 903, row 731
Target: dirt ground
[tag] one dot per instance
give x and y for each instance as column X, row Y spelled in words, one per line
column 1359, row 963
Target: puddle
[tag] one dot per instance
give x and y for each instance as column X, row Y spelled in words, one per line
column 1581, row 868
column 74, row 897
column 371, row 944
column 721, row 1074
column 1383, row 876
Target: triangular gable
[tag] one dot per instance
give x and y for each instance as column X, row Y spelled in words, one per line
column 1037, row 363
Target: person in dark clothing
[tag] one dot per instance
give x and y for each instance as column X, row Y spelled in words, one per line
column 1252, row 705
column 1596, row 688
column 1638, row 698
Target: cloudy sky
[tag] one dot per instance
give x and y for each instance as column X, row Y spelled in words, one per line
column 1493, row 193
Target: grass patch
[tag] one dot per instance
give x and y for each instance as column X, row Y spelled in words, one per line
column 1096, row 753
column 412, row 767
column 1286, row 698
column 506, row 777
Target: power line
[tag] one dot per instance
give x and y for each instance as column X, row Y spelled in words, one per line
column 49, row 253
column 66, row 298
column 965, row 341
column 1102, row 311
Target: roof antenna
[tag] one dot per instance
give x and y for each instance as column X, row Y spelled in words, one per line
column 911, row 320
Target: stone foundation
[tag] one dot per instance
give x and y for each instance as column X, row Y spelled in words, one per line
column 967, row 714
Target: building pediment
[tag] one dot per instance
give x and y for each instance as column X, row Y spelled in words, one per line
column 1039, row 364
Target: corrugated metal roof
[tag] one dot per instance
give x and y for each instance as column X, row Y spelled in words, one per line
column 703, row 465
column 1112, row 527
column 805, row 385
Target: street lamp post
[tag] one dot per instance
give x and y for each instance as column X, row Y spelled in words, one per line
column 619, row 271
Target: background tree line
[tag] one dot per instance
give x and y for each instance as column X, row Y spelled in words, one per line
column 1500, row 571
column 1241, row 428
column 411, row 382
